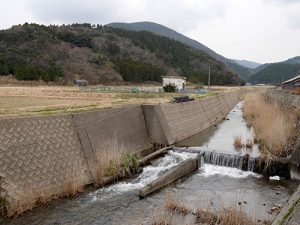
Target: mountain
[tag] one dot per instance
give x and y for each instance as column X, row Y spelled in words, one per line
column 275, row 73
column 167, row 32
column 294, row 60
column 247, row 64
column 102, row 54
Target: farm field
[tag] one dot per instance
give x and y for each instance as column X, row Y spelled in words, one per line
column 43, row 100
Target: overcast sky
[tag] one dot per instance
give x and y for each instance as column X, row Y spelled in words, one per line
column 257, row 30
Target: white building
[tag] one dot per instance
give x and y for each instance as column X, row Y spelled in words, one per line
column 178, row 82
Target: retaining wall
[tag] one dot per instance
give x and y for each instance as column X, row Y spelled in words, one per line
column 42, row 154
column 173, row 122
column 38, row 155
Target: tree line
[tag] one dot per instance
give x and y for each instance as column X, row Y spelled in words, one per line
column 135, row 71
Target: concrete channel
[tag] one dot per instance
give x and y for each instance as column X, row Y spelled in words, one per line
column 72, row 142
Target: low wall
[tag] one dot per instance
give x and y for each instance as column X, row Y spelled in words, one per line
column 173, row 122
column 42, row 154
column 284, row 98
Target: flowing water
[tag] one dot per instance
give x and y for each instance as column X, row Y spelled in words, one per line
column 219, row 183
column 220, row 138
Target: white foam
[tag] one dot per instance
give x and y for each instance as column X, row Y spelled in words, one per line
column 274, row 178
column 149, row 174
column 210, row 170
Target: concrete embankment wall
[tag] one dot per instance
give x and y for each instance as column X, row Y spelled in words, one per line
column 170, row 123
column 38, row 155
column 42, row 154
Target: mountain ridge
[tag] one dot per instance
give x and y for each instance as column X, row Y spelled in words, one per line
column 102, row 54
column 170, row 33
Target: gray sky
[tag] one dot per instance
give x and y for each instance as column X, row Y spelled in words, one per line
column 257, row 30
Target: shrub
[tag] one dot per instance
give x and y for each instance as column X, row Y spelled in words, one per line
column 170, row 88
column 129, row 164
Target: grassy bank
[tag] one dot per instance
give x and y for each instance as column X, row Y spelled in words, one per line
column 275, row 127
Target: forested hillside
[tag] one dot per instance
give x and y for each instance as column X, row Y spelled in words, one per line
column 102, row 54
column 275, row 73
column 161, row 30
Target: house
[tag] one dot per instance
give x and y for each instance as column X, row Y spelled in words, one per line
column 177, row 81
column 292, row 84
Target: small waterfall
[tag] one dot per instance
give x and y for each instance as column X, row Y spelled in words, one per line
column 251, row 164
column 242, row 162
column 221, row 159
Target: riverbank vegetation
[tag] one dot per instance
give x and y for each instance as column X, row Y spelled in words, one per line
column 175, row 212
column 275, row 127
column 113, row 162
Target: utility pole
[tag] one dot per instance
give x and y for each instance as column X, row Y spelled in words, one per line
column 208, row 85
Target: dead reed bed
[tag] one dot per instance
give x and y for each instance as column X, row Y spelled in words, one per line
column 33, row 197
column 113, row 160
column 239, row 143
column 173, row 205
column 274, row 126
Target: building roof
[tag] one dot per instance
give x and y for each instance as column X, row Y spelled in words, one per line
column 291, row 80
column 175, row 77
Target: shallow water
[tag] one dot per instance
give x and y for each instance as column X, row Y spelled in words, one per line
column 220, row 138
column 212, row 187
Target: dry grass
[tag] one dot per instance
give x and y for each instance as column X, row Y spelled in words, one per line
column 249, row 143
column 107, row 161
column 33, row 197
column 35, row 99
column 206, row 217
column 112, row 160
column 161, row 218
column 73, row 186
column 174, row 206
column 234, row 217
column 274, row 126
column 238, row 142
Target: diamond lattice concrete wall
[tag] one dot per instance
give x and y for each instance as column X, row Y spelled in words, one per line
column 177, row 121
column 39, row 154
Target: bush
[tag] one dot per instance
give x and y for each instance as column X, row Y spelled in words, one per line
column 169, row 88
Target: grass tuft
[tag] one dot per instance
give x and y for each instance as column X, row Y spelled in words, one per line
column 238, row 142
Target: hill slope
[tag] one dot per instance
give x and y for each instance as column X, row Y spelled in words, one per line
column 102, row 54
column 275, row 73
column 167, row 32
column 247, row 63
column 294, row 60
